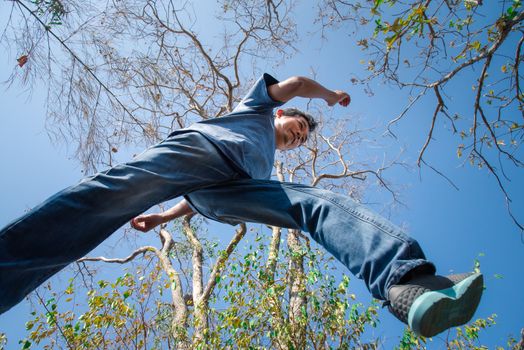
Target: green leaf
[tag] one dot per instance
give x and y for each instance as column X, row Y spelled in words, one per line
column 460, row 149
column 377, row 4
column 475, row 45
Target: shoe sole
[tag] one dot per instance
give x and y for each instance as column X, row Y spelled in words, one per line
column 436, row 311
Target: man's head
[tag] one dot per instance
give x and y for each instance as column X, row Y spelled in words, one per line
column 292, row 127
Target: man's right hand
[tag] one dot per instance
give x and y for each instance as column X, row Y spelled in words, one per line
column 147, row 222
column 340, row 97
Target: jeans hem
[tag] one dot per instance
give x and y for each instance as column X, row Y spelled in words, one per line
column 403, row 270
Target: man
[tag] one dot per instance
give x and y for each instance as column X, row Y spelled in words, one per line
column 222, row 168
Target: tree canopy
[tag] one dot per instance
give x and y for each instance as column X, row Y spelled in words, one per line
column 122, row 74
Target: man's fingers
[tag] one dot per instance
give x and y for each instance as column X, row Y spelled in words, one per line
column 345, row 99
column 138, row 223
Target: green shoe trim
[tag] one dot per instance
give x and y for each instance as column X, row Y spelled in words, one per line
column 436, row 311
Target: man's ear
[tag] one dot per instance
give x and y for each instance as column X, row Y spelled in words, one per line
column 279, row 113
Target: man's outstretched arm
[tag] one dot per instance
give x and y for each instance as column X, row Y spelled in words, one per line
column 308, row 88
column 146, row 222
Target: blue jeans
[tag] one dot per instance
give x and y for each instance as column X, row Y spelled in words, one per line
column 75, row 220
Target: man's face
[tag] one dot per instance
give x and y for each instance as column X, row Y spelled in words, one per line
column 290, row 131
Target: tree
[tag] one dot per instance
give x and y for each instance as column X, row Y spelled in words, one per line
column 131, row 72
column 143, row 71
column 426, row 47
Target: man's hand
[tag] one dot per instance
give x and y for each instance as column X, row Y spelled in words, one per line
column 340, row 97
column 147, row 222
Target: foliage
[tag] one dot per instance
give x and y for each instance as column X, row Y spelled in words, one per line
column 130, row 72
column 3, row 340
column 467, row 337
column 51, row 9
column 109, row 321
column 257, row 316
column 434, row 48
column 248, row 311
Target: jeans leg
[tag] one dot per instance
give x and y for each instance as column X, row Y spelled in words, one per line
column 371, row 247
column 74, row 221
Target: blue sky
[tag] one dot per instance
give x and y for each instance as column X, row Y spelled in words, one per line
column 452, row 226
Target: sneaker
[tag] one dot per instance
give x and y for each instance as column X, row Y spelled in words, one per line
column 431, row 304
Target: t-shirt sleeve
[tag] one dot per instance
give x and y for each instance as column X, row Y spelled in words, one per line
column 258, row 99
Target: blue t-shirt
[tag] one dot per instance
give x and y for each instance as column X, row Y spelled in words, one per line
column 246, row 136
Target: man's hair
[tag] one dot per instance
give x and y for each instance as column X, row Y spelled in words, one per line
column 291, row 112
